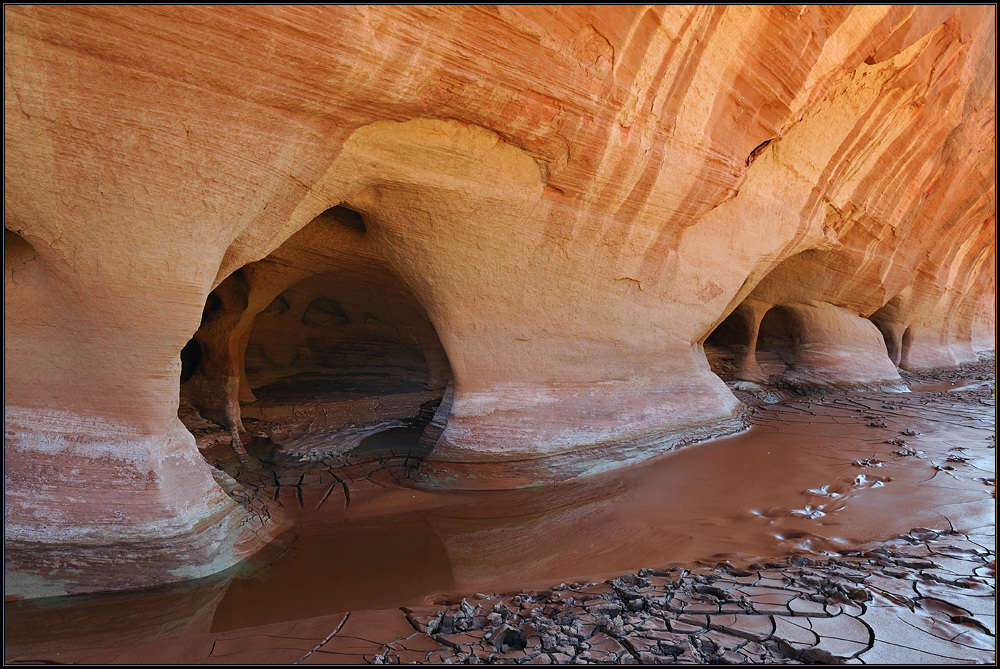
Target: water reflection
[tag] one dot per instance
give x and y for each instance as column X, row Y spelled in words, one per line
column 811, row 475
column 368, row 563
column 114, row 618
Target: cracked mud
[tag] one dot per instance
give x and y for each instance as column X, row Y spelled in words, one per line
column 924, row 597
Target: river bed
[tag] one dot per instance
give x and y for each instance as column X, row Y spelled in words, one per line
column 812, row 476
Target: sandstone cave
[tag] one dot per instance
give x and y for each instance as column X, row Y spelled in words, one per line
column 741, row 348
column 340, row 353
column 898, row 336
column 500, row 333
column 802, row 327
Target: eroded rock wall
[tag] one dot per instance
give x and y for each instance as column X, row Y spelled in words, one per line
column 575, row 196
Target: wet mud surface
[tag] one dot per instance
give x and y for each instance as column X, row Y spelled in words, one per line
column 925, row 597
column 769, row 546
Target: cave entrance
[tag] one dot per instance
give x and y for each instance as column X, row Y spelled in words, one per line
column 892, row 347
column 898, row 338
column 906, row 341
column 317, row 351
column 778, row 339
column 345, row 363
column 730, row 347
column 895, row 335
column 748, row 346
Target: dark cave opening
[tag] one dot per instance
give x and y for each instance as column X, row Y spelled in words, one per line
column 904, row 349
column 729, row 344
column 778, row 338
column 740, row 349
column 190, row 359
column 314, row 351
column 330, row 339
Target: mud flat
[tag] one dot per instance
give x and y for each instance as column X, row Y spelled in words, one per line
column 852, row 528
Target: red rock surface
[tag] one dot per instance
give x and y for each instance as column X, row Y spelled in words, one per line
column 558, row 206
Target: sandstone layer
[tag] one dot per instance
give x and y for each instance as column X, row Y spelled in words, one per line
column 514, row 227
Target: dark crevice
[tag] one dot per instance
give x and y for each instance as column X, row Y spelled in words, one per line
column 759, row 149
column 212, row 305
column 345, row 217
column 191, row 356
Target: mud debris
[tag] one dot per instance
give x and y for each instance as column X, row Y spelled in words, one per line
column 844, row 609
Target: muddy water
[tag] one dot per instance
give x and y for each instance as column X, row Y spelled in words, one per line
column 813, row 475
column 947, row 386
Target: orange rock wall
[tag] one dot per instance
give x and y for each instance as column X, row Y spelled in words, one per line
column 577, row 196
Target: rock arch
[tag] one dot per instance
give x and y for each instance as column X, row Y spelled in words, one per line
column 892, row 335
column 905, row 344
column 780, row 338
column 732, row 346
column 302, row 340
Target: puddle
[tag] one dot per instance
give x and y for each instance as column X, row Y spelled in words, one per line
column 812, row 475
column 948, row 386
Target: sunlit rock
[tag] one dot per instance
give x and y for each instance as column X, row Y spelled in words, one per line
column 517, row 228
